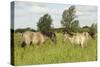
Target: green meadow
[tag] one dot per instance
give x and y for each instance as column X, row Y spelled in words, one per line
column 47, row 53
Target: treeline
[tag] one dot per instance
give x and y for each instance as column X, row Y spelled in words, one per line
column 21, row 30
column 90, row 29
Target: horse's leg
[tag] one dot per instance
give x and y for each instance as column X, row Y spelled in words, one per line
column 82, row 44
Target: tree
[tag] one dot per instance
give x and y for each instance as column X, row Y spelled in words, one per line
column 68, row 20
column 44, row 23
column 75, row 26
column 93, row 30
column 85, row 29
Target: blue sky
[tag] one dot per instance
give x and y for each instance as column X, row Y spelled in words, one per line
column 27, row 14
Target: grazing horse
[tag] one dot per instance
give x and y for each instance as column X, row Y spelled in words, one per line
column 93, row 34
column 29, row 37
column 50, row 35
column 77, row 38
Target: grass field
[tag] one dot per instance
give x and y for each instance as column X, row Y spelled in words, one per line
column 54, row 53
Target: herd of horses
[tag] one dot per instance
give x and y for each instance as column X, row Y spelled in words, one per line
column 30, row 37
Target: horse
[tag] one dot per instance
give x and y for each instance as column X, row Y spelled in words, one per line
column 93, row 34
column 50, row 35
column 29, row 37
column 77, row 38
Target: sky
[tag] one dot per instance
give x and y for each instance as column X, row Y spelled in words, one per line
column 27, row 14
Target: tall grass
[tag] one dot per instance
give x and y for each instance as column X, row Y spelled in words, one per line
column 54, row 53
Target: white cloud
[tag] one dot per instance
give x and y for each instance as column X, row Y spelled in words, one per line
column 38, row 9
